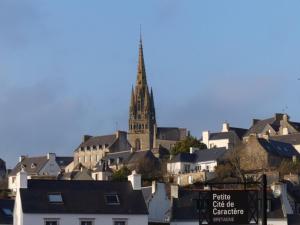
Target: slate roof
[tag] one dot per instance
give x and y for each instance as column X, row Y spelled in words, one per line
column 63, row 161
column 200, row 155
column 32, row 165
column 259, row 126
column 81, row 197
column 278, row 148
column 293, row 139
column 185, row 207
column 6, row 204
column 99, row 140
column 169, row 133
column 293, row 219
column 76, row 175
column 234, row 134
column 147, row 193
column 128, row 157
column 102, row 166
column 123, row 156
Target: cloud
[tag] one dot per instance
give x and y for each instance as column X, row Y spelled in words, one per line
column 16, row 20
column 38, row 118
column 235, row 100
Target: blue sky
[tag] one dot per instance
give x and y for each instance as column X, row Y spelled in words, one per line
column 66, row 67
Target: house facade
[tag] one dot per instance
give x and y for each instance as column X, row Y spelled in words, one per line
column 94, row 148
column 56, row 202
column 265, row 154
column 279, row 124
column 195, row 161
column 228, row 138
column 158, row 202
column 42, row 166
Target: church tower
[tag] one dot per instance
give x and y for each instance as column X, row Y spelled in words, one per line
column 141, row 110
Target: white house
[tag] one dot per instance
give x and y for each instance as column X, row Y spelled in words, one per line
column 227, row 138
column 158, row 202
column 61, row 202
column 195, row 160
column 41, row 166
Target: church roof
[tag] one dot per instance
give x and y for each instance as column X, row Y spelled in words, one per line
column 106, row 140
column 170, row 133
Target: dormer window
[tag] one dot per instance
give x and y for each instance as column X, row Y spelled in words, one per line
column 33, row 165
column 55, row 198
column 94, row 146
column 7, row 211
column 112, row 199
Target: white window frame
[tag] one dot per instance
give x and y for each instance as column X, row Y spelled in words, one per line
column 120, row 220
column 87, row 220
column 51, row 220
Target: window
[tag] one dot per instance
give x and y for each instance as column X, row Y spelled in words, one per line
column 7, row 211
column 112, row 199
column 120, row 221
column 86, row 221
column 186, row 168
column 55, row 198
column 51, row 222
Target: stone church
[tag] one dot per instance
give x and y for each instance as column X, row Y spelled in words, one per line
column 143, row 132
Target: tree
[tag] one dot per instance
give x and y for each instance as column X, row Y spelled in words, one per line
column 184, row 145
column 121, row 174
column 149, row 168
column 288, row 166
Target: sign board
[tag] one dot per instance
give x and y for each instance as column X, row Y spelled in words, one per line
column 228, row 207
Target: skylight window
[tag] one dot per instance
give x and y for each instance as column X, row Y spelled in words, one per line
column 112, row 199
column 7, row 211
column 55, row 198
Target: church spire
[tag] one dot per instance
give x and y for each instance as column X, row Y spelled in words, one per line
column 132, row 102
column 141, row 73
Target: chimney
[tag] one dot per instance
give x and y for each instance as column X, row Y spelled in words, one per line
column 22, row 179
column 21, row 158
column 154, row 186
column 174, row 191
column 86, row 137
column 225, row 127
column 135, row 180
column 285, row 118
column 193, row 149
column 51, row 156
column 205, row 138
column 278, row 116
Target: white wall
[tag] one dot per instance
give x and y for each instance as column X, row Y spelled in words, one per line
column 51, row 168
column 159, row 204
column 73, row 219
column 175, row 168
column 218, row 143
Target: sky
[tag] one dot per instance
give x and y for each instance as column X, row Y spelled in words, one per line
column 67, row 67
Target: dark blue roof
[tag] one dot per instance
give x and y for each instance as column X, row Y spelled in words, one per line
column 279, row 148
column 200, row 155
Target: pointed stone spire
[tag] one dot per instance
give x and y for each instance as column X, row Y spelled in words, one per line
column 132, row 102
column 141, row 73
column 147, row 101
